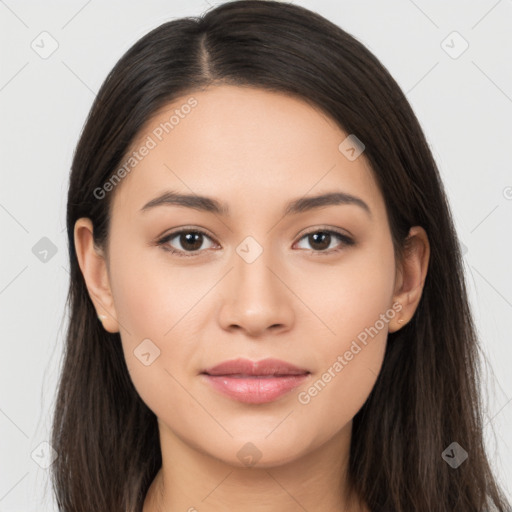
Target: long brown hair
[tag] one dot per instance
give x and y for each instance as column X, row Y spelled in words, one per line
column 427, row 393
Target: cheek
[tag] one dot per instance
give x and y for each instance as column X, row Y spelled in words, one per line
column 152, row 295
column 159, row 310
column 351, row 295
column 338, row 391
column 347, row 365
column 353, row 301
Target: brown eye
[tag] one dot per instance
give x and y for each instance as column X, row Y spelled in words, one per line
column 320, row 241
column 191, row 241
column 184, row 241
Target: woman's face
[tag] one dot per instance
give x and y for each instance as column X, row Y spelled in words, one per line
column 254, row 285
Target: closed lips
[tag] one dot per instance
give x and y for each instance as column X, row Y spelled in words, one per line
column 245, row 375
column 247, row 368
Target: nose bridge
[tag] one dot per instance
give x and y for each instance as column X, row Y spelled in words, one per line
column 252, row 263
column 256, row 298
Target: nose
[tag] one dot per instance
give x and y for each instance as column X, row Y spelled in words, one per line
column 256, row 297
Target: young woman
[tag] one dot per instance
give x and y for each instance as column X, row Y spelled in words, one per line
column 267, row 301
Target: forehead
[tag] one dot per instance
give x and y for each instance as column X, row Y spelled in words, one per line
column 238, row 143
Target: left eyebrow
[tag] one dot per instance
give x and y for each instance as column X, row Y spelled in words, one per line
column 295, row 206
column 333, row 198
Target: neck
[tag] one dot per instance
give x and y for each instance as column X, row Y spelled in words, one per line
column 193, row 481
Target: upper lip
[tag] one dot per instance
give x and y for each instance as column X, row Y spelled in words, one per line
column 267, row 366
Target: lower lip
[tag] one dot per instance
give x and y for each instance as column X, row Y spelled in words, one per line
column 255, row 390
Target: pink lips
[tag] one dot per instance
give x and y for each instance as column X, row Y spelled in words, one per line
column 255, row 382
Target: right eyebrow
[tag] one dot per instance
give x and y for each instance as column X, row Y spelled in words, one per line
column 196, row 202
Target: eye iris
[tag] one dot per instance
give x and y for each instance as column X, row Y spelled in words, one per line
column 194, row 239
column 314, row 238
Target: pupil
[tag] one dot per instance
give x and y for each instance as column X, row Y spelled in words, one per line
column 189, row 240
column 313, row 239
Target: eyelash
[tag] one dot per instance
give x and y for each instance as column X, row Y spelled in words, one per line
column 346, row 241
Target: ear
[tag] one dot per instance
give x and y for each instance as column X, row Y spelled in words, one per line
column 93, row 265
column 411, row 276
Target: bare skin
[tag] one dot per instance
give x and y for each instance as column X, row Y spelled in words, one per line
column 254, row 151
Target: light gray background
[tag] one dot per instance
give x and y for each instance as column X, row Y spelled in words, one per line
column 464, row 105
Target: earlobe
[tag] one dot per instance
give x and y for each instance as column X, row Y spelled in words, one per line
column 94, row 269
column 411, row 276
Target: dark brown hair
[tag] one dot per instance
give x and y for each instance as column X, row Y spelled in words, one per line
column 425, row 397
